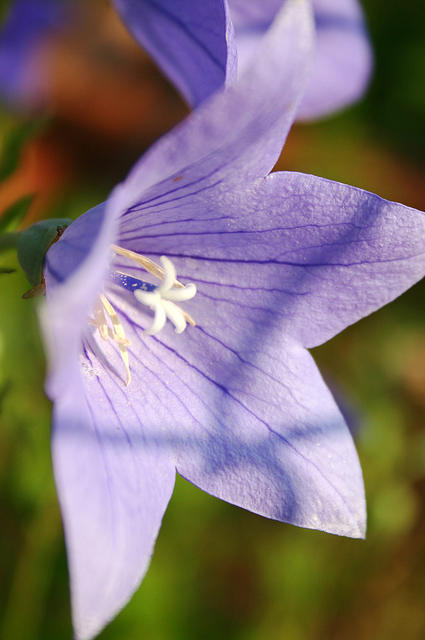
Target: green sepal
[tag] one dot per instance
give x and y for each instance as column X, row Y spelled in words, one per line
column 33, row 244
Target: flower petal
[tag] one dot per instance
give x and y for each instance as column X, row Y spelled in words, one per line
column 318, row 254
column 192, row 41
column 248, row 416
column 75, row 268
column 238, row 134
column 277, row 445
column 113, row 482
column 349, row 251
column 342, row 60
column 114, row 485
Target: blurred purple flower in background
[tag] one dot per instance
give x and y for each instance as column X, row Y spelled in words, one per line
column 193, row 44
column 266, row 267
column 28, row 24
column 342, row 57
column 188, row 42
column 191, row 41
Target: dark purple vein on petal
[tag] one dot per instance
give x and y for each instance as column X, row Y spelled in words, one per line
column 226, row 392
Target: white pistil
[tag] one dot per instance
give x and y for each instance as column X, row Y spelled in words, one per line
column 161, row 301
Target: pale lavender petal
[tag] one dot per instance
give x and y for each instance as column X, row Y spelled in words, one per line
column 74, row 273
column 251, row 19
column 27, row 25
column 237, row 135
column 275, row 442
column 191, row 41
column 113, row 484
column 264, row 431
column 350, row 252
column 342, row 60
column 317, row 254
column 113, row 481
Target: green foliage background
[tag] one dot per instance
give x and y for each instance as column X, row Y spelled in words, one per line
column 217, row 571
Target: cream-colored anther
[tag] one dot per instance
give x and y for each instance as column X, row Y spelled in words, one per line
column 146, row 263
column 117, row 334
column 99, row 320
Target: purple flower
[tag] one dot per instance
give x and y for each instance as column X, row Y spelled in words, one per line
column 264, row 267
column 28, row 24
column 342, row 58
column 193, row 43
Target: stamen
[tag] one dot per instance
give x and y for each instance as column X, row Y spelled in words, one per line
column 118, row 335
column 160, row 299
column 146, row 263
column 131, row 284
column 100, row 320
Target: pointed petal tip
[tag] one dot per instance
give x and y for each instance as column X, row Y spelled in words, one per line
column 89, row 629
column 357, row 531
column 86, row 631
column 356, row 528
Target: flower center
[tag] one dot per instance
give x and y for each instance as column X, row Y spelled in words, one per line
column 161, row 299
